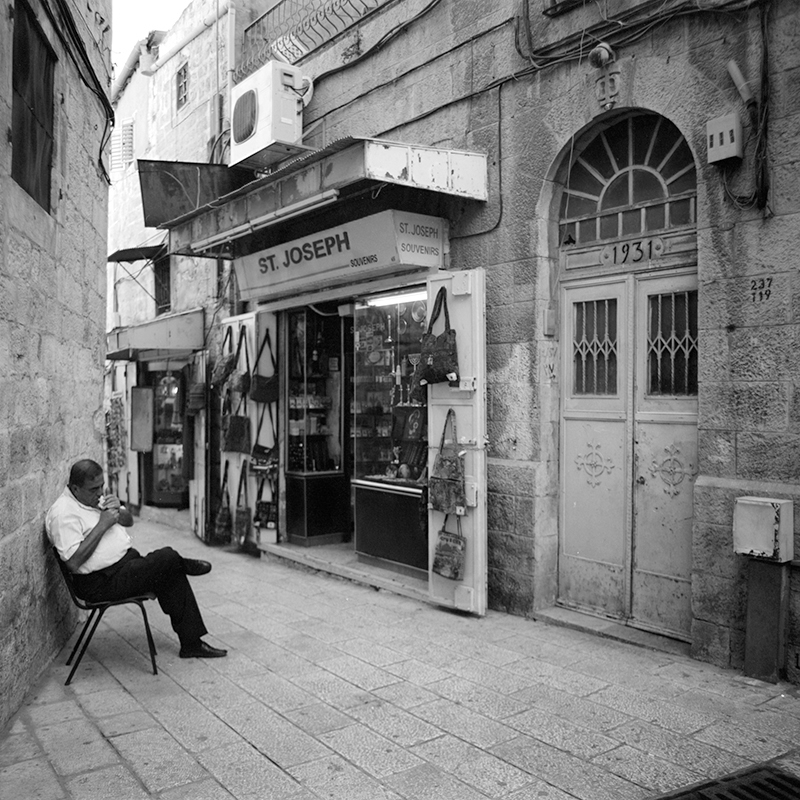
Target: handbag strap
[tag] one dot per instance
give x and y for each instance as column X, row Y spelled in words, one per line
column 243, row 337
column 224, row 487
column 439, row 304
column 450, row 421
column 260, row 489
column 458, row 525
column 266, row 342
column 242, row 482
column 227, row 339
column 242, row 399
column 267, row 407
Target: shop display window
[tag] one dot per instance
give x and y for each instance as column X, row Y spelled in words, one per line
column 389, row 430
column 314, row 392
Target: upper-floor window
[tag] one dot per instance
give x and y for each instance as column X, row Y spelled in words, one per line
column 163, row 285
column 122, row 153
column 182, row 86
column 32, row 106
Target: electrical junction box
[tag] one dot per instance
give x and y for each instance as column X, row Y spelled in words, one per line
column 724, row 138
column 764, row 527
column 267, row 116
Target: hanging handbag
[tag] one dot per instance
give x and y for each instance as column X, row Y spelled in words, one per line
column 196, row 398
column 446, row 482
column 223, row 523
column 265, row 457
column 241, row 519
column 439, row 359
column 240, row 381
column 449, row 553
column 226, row 362
column 265, row 389
column 266, row 515
column 236, row 428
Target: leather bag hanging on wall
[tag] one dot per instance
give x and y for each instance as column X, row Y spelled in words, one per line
column 223, row 522
column 439, row 360
column 240, row 381
column 242, row 516
column 449, row 552
column 446, row 488
column 266, row 515
column 265, row 458
column 236, row 428
column 265, row 389
column 226, row 362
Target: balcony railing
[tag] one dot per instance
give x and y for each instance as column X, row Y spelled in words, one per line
column 293, row 28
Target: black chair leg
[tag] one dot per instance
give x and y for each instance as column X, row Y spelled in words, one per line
column 86, row 643
column 83, row 633
column 150, row 643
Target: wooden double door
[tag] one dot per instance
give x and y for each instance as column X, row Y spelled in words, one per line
column 629, row 448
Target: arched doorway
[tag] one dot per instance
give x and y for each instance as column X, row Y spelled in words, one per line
column 629, row 343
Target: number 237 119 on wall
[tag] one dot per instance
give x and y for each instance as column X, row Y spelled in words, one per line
column 640, row 250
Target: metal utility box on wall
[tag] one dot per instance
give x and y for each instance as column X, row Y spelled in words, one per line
column 267, row 116
column 764, row 527
column 724, row 137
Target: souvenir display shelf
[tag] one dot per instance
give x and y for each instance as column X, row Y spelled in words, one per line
column 317, row 490
column 389, row 444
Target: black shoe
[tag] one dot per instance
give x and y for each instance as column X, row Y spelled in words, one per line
column 194, row 567
column 202, row 650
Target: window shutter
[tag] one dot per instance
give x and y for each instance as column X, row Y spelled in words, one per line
column 122, row 145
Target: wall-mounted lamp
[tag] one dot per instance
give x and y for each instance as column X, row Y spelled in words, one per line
column 601, row 55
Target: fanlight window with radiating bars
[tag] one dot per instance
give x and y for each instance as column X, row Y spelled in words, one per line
column 634, row 178
column 672, row 344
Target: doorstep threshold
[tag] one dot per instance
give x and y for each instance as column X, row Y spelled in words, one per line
column 351, row 569
column 577, row 620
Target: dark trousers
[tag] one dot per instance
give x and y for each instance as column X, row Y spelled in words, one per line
column 160, row 572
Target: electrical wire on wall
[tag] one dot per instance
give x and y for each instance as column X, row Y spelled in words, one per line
column 64, row 24
column 759, row 197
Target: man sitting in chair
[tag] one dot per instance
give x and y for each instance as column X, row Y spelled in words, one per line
column 88, row 530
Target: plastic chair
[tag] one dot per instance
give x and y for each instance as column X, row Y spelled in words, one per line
column 96, row 611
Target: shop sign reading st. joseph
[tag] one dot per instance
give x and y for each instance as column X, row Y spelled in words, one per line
column 381, row 244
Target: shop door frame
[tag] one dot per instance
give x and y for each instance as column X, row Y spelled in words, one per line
column 466, row 300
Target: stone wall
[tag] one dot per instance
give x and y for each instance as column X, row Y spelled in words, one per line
column 454, row 79
column 52, row 304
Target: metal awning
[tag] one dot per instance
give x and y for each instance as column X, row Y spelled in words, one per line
column 173, row 189
column 168, row 337
column 317, row 179
column 144, row 253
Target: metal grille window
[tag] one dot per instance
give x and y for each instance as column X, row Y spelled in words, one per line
column 182, row 86
column 672, row 344
column 595, row 347
column 163, row 285
column 32, row 107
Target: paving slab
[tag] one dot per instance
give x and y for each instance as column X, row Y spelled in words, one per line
column 336, row 691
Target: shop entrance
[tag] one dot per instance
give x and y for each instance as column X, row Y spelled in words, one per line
column 356, row 443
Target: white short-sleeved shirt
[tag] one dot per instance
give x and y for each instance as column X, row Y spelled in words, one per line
column 68, row 522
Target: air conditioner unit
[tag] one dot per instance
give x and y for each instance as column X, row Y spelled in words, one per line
column 267, row 116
